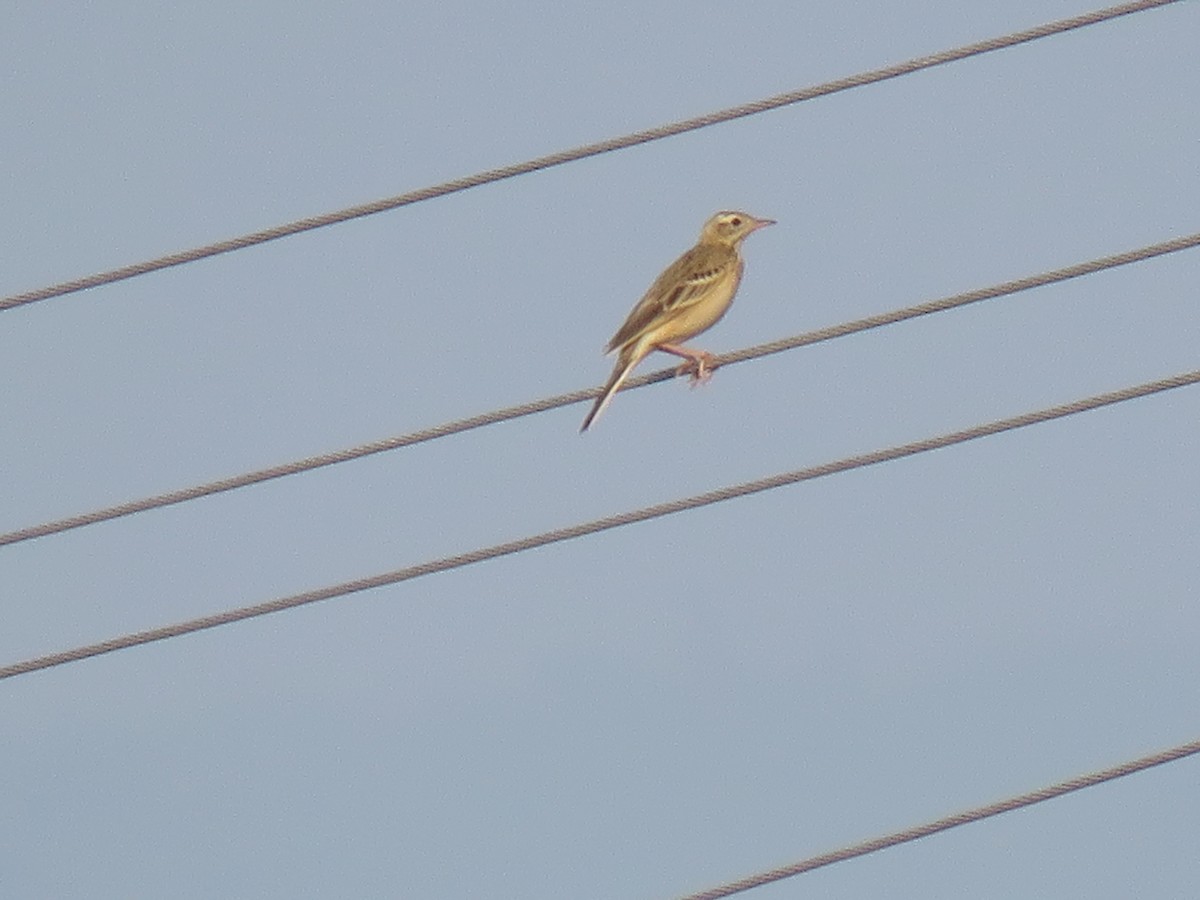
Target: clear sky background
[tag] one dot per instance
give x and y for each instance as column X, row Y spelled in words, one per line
column 660, row 708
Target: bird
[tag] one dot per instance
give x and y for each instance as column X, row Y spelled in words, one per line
column 690, row 296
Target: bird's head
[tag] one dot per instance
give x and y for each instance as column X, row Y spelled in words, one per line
column 732, row 227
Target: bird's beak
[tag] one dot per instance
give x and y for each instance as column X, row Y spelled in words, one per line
column 762, row 223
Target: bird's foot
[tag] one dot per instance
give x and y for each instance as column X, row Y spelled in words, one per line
column 698, row 368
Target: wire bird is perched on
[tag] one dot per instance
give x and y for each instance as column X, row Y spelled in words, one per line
column 686, row 299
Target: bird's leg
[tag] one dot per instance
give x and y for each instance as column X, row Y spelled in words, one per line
column 699, row 365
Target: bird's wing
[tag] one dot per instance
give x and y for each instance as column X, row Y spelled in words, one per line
column 682, row 284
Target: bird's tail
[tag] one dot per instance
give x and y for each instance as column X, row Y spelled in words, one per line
column 625, row 363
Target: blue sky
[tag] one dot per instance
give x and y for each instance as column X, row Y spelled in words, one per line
column 659, row 708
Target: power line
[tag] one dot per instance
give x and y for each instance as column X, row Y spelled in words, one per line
column 535, row 406
column 971, row 815
column 555, row 159
column 597, row 525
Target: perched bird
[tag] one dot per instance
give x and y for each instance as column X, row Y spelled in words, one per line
column 689, row 297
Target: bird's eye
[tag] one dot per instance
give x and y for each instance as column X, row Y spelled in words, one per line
column 735, row 221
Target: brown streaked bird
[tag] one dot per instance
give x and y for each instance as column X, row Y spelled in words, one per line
column 689, row 297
